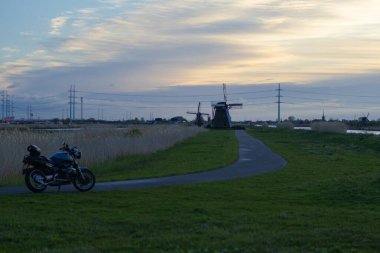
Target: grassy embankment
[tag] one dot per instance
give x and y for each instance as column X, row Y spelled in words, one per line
column 208, row 150
column 326, row 200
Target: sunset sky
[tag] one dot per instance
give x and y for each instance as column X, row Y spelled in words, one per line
column 142, row 58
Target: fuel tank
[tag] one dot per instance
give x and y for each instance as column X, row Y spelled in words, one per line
column 62, row 159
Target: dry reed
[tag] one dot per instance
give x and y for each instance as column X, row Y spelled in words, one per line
column 96, row 144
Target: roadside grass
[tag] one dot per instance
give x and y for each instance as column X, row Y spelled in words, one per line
column 327, row 199
column 207, row 150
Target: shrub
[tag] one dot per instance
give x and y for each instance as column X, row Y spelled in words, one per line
column 329, row 127
column 285, row 125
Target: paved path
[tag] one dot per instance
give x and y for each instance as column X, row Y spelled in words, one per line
column 254, row 158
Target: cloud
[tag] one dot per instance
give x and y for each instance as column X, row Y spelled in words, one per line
column 26, row 34
column 143, row 45
column 10, row 49
column 8, row 53
column 113, row 3
column 56, row 24
column 87, row 11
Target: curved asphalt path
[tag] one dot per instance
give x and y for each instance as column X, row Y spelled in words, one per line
column 254, row 158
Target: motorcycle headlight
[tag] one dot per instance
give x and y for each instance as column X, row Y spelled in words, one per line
column 77, row 153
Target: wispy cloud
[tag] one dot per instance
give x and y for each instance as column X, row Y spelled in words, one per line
column 10, row 49
column 57, row 23
column 87, row 11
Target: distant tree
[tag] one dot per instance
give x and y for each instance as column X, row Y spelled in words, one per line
column 66, row 121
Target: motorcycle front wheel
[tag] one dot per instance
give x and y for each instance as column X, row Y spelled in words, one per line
column 35, row 180
column 84, row 181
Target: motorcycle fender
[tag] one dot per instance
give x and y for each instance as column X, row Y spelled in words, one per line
column 26, row 167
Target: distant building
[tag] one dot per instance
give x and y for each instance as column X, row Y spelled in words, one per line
column 177, row 120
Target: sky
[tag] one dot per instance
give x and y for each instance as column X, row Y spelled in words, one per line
column 159, row 58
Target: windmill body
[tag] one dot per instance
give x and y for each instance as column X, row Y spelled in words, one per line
column 221, row 114
column 222, row 118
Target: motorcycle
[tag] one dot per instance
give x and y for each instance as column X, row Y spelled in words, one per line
column 60, row 169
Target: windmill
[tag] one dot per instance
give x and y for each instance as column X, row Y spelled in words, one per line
column 364, row 120
column 220, row 112
column 198, row 118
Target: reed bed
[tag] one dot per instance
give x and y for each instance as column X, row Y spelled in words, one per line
column 96, row 144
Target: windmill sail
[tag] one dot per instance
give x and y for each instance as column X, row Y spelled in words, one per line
column 199, row 121
column 235, row 105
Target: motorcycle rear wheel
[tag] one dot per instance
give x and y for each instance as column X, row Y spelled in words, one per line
column 87, row 182
column 35, row 180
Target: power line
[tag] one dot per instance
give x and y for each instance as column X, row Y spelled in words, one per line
column 335, row 94
column 332, row 106
column 169, row 96
column 269, row 103
column 43, row 103
column 316, row 99
column 41, row 97
column 140, row 107
column 142, row 95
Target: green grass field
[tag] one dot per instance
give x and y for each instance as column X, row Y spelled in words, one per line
column 326, row 200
